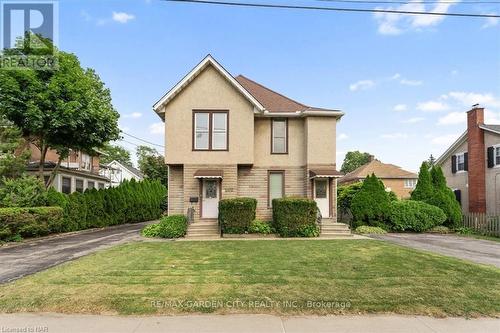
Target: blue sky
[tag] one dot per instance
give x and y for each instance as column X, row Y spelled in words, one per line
column 404, row 83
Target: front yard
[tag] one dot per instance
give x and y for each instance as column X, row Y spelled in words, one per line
column 274, row 276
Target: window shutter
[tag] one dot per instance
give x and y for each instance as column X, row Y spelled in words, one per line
column 458, row 196
column 491, row 162
column 454, row 164
column 466, row 161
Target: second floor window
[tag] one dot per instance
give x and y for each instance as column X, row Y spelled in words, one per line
column 461, row 162
column 210, row 130
column 279, row 136
column 497, row 155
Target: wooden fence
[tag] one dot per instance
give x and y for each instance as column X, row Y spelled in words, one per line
column 482, row 223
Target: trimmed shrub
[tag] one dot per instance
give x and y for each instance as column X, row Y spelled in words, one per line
column 444, row 198
column 295, row 217
column 260, row 227
column 345, row 194
column 25, row 191
column 236, row 214
column 409, row 215
column 173, row 226
column 424, row 189
column 366, row 229
column 371, row 204
column 29, row 222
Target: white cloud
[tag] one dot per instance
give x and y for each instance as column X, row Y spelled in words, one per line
column 444, row 140
column 491, row 117
column 400, row 107
column 133, row 115
column 470, row 98
column 407, row 82
column 395, row 76
column 122, row 17
column 395, row 24
column 394, row 136
column 454, row 72
column 413, row 120
column 490, row 21
column 157, row 128
column 342, row 136
column 453, row 118
column 432, row 106
column 361, row 85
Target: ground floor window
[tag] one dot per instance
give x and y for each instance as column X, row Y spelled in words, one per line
column 79, row 185
column 66, row 185
column 276, row 186
column 90, row 185
column 101, row 186
column 410, row 183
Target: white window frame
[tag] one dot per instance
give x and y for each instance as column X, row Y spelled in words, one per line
column 457, row 162
column 285, row 121
column 410, row 183
column 196, row 131
column 214, row 131
column 495, row 164
column 83, row 184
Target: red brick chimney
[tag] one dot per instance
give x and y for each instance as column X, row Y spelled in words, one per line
column 476, row 160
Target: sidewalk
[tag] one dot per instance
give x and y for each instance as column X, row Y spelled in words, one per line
column 55, row 323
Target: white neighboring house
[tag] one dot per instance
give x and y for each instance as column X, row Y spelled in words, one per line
column 119, row 172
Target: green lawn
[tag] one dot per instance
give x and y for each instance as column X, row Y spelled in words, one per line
column 273, row 276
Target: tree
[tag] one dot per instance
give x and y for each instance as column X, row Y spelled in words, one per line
column 444, row 198
column 353, row 160
column 68, row 108
column 371, row 205
column 432, row 160
column 114, row 152
column 152, row 164
column 424, row 189
column 13, row 151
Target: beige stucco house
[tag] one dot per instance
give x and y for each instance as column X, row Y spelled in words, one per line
column 229, row 136
column 471, row 165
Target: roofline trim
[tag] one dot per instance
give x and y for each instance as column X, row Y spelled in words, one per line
column 208, row 60
column 453, row 146
column 488, row 129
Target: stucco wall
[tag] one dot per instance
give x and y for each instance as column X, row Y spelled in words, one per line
column 492, row 177
column 457, row 181
column 321, row 139
column 209, row 91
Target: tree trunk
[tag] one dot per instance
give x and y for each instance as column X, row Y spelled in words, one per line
column 43, row 153
column 53, row 173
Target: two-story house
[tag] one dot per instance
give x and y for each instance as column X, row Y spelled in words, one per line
column 229, row 136
column 78, row 172
column 471, row 165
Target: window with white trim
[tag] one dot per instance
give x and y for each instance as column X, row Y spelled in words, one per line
column 279, row 136
column 276, row 186
column 461, row 162
column 496, row 153
column 210, row 130
column 410, row 183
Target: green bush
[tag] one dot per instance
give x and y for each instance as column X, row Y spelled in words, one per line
column 366, row 229
column 236, row 214
column 371, row 204
column 25, row 191
column 29, row 222
column 173, row 226
column 260, row 227
column 409, row 215
column 345, row 194
column 295, row 217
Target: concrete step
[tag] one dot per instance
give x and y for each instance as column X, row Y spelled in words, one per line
column 334, row 236
column 333, row 228
column 203, row 227
column 336, row 232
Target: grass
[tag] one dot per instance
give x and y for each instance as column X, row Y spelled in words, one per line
column 274, row 276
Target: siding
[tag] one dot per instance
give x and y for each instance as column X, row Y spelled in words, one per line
column 175, row 190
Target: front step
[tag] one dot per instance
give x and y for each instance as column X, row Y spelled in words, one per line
column 332, row 229
column 206, row 229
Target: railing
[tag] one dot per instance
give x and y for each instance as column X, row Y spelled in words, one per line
column 482, row 223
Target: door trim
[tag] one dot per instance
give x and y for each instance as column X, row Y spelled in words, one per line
column 329, row 194
column 201, row 197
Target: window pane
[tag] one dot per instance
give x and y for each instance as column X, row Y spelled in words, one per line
column 219, row 122
column 279, row 128
column 279, row 145
column 90, row 185
column 275, row 186
column 66, row 185
column 101, row 186
column 321, row 189
column 219, row 141
column 201, row 141
column 79, row 185
column 211, row 189
column 201, row 121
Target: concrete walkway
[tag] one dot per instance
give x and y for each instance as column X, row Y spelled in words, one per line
column 58, row 323
column 476, row 250
column 18, row 260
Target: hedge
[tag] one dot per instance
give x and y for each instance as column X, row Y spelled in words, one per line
column 30, row 222
column 173, row 226
column 295, row 217
column 128, row 203
column 410, row 215
column 236, row 214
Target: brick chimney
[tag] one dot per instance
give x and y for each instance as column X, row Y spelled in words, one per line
column 476, row 160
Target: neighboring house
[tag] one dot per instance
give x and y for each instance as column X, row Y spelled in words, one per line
column 231, row 137
column 395, row 179
column 118, row 172
column 78, row 172
column 472, row 165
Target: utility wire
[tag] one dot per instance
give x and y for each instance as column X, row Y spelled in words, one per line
column 149, row 142
column 361, row 10
column 412, row 2
column 136, row 145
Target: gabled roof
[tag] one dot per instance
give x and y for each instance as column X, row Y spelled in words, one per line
column 381, row 170
column 491, row 128
column 208, row 60
column 131, row 169
column 265, row 100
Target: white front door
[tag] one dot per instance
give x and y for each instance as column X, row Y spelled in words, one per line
column 322, row 196
column 210, row 198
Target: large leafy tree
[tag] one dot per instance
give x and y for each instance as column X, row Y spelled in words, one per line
column 115, row 153
column 353, row 160
column 13, row 151
column 152, row 164
column 67, row 108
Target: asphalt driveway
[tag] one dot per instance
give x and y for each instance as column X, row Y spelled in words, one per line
column 476, row 250
column 18, row 260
